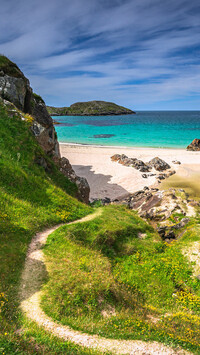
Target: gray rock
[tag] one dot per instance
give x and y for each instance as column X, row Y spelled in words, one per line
column 82, row 184
column 159, row 164
column 16, row 90
column 133, row 162
column 182, row 223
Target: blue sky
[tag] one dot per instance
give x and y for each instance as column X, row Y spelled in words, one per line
column 143, row 54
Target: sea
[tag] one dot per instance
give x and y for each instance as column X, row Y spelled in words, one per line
column 161, row 129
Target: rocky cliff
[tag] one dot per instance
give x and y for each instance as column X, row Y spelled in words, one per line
column 15, row 88
column 90, row 108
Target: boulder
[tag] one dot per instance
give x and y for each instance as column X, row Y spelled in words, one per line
column 158, row 164
column 195, row 145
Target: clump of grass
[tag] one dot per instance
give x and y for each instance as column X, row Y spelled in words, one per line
column 10, row 68
column 38, row 98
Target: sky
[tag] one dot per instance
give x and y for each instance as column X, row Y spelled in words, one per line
column 142, row 54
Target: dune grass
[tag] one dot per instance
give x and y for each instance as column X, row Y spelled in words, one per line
column 30, row 200
column 113, row 276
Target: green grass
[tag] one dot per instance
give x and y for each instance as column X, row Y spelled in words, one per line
column 10, row 68
column 38, row 98
column 113, row 276
column 30, row 200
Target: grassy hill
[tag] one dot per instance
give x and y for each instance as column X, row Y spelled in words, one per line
column 30, row 200
column 112, row 276
column 90, row 108
column 115, row 277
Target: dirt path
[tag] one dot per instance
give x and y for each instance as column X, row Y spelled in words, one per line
column 30, row 294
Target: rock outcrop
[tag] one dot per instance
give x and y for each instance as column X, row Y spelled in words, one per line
column 81, row 182
column 43, row 127
column 195, row 145
column 15, row 89
column 156, row 163
column 14, row 86
column 90, row 108
column 132, row 162
column 158, row 206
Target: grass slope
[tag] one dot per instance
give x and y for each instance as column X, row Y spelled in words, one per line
column 10, row 68
column 113, row 276
column 30, row 200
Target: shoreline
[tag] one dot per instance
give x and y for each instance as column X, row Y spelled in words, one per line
column 115, row 181
column 116, row 146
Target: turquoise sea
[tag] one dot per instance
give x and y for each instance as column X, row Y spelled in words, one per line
column 166, row 129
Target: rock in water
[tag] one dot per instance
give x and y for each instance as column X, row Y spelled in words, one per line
column 195, row 145
column 159, row 164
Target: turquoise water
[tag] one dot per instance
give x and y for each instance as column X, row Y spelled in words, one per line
column 166, row 129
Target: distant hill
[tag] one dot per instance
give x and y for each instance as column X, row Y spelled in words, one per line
column 90, row 108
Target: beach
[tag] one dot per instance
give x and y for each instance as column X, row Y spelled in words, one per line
column 113, row 180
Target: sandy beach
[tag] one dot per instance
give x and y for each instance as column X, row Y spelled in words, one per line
column 113, row 180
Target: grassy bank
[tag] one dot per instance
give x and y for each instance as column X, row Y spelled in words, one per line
column 113, row 276
column 30, row 200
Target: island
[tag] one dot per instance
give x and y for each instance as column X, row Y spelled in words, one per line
column 90, row 108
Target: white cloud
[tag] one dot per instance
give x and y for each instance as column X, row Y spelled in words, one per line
column 132, row 52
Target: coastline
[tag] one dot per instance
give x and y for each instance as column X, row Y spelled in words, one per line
column 113, row 180
column 117, row 146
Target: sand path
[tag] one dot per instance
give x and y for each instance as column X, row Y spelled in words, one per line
column 30, row 295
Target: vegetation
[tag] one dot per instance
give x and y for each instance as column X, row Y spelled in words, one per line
column 10, row 68
column 30, row 200
column 38, row 98
column 113, row 276
column 90, row 108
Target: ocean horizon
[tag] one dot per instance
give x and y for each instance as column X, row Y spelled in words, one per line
column 150, row 129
